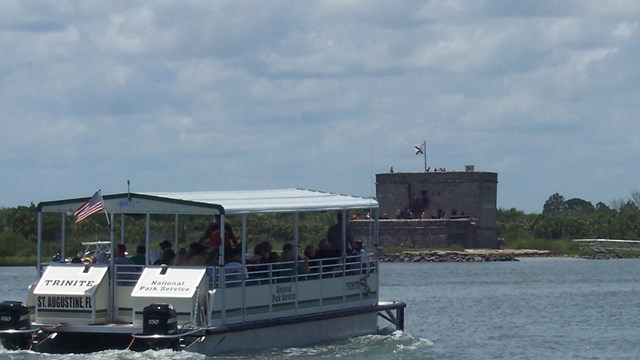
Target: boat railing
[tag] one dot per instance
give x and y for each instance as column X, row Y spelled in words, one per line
column 283, row 289
column 127, row 274
column 301, row 270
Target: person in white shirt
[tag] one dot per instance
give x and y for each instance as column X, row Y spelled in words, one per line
column 235, row 271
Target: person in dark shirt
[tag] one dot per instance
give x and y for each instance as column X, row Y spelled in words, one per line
column 334, row 236
column 168, row 257
column 139, row 257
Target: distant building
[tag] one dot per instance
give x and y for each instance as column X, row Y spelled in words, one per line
column 438, row 209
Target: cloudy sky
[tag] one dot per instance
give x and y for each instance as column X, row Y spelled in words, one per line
column 235, row 95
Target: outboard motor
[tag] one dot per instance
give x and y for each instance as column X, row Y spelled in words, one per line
column 159, row 319
column 160, row 327
column 14, row 315
column 15, row 325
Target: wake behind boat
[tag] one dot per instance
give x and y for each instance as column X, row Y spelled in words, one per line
column 204, row 309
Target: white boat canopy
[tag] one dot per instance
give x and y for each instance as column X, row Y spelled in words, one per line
column 219, row 202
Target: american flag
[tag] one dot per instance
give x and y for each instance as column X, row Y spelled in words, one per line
column 92, row 206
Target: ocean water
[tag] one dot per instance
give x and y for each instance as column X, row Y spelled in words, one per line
column 549, row 308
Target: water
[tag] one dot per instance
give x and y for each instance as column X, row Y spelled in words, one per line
column 532, row 309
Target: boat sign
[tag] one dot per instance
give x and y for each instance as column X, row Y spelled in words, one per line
column 168, row 283
column 72, row 294
column 183, row 288
column 69, row 280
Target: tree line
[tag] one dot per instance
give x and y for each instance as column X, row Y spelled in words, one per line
column 560, row 219
column 573, row 218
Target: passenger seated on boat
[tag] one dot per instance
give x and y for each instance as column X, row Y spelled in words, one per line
column 101, row 258
column 261, row 262
column 139, row 257
column 167, row 258
column 254, row 257
column 359, row 250
column 234, row 270
column 287, row 254
column 197, row 254
column 157, row 254
column 309, row 252
column 288, row 266
column 125, row 274
column 182, row 258
column 328, row 258
column 310, row 263
column 121, row 255
column 264, row 250
column 273, row 257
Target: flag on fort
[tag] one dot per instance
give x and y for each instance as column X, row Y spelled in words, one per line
column 90, row 207
column 420, row 148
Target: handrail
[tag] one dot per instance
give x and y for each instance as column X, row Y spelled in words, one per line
column 127, row 274
column 284, row 283
column 280, row 272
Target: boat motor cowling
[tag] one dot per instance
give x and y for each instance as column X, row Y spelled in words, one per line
column 159, row 319
column 14, row 315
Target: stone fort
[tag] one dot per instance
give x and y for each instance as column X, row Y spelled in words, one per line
column 437, row 209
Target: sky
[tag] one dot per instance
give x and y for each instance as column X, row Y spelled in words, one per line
column 322, row 95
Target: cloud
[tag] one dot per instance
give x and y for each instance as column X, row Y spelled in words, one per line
column 322, row 94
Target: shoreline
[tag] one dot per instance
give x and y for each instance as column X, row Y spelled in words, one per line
column 490, row 255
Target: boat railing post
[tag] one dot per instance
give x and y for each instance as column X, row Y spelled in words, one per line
column 39, row 247
column 112, row 269
column 296, row 241
column 344, row 282
column 376, row 257
column 63, row 236
column 222, row 288
column 243, row 246
column 270, row 269
column 176, row 231
column 147, row 236
column 321, row 281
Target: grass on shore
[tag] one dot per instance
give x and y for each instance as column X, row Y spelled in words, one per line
column 17, row 261
column 564, row 247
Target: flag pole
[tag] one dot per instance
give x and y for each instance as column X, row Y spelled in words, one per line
column 106, row 214
column 424, row 152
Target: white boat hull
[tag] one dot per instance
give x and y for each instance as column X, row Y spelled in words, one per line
column 279, row 333
column 284, row 334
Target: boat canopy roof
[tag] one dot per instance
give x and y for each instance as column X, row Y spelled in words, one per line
column 219, row 202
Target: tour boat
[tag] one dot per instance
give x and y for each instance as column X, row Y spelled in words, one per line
column 87, row 307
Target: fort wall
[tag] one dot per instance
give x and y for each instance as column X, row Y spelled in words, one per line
column 438, row 209
column 425, row 234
